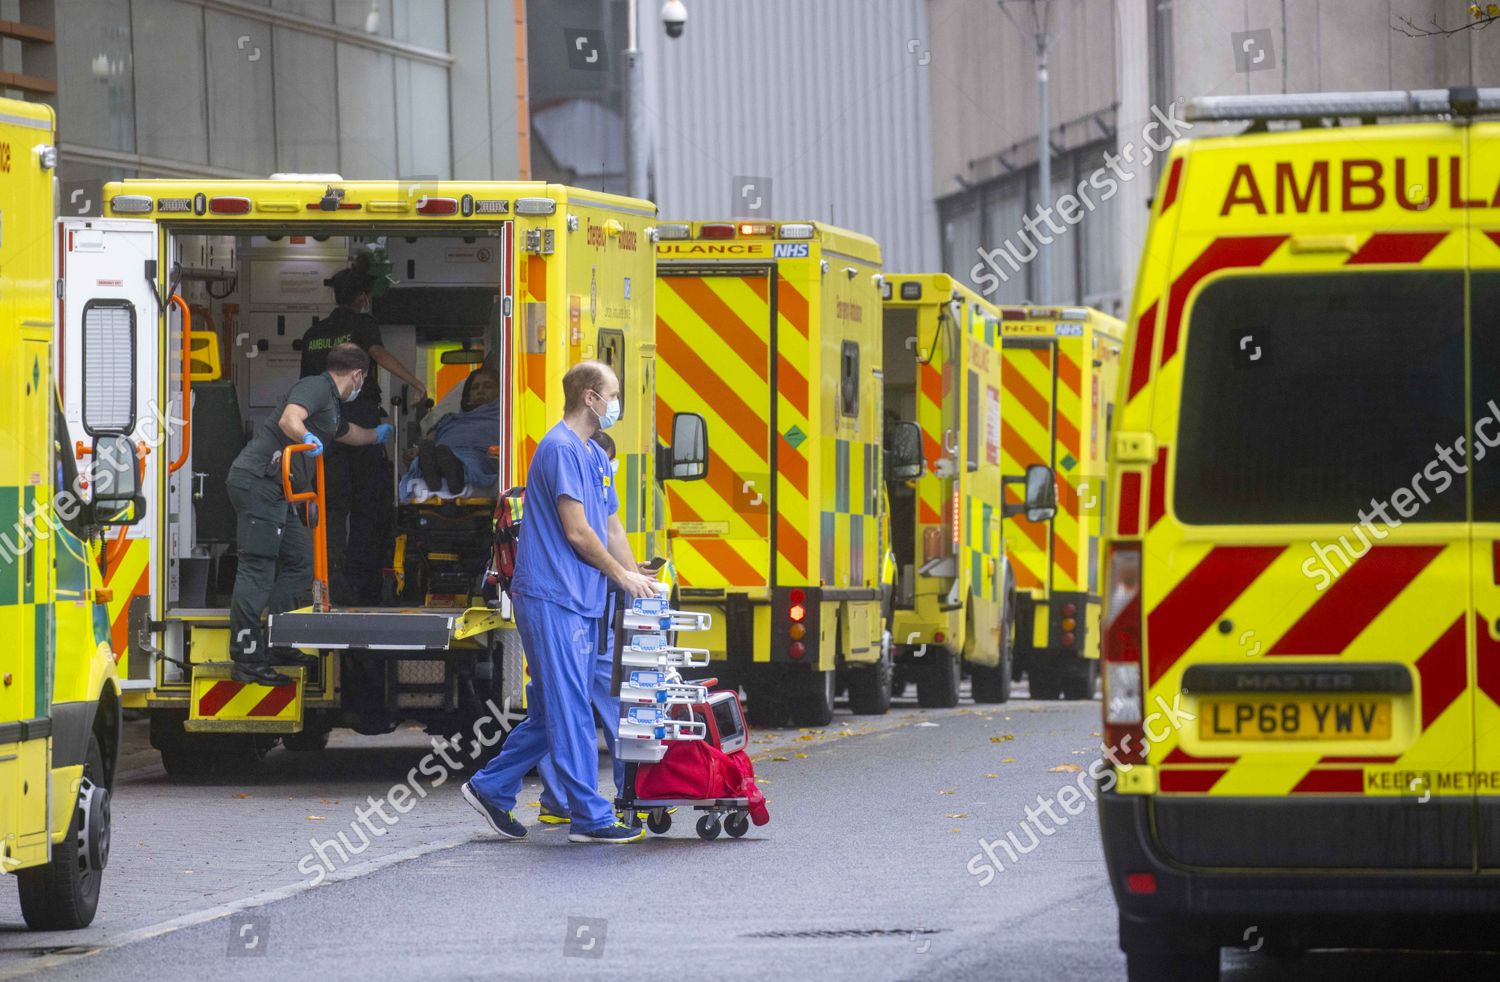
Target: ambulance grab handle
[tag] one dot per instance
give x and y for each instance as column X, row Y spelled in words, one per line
column 187, row 384
column 319, row 530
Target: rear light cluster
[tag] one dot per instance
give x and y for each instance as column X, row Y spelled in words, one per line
column 796, row 612
column 670, row 231
column 1124, row 695
column 1069, row 624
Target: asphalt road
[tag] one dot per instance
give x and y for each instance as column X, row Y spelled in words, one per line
column 862, row 873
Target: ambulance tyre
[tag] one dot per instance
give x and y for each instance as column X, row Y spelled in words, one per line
column 765, row 710
column 990, row 683
column 1080, row 679
column 736, row 824
column 816, row 707
column 937, row 686
column 1046, row 680
column 870, row 687
column 64, row 894
column 709, row 827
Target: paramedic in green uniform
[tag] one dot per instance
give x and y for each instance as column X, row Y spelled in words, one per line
column 275, row 548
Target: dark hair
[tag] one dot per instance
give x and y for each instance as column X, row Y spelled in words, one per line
column 606, row 443
column 347, row 357
column 581, row 378
column 463, row 400
column 349, row 284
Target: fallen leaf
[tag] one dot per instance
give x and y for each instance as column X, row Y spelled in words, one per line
column 778, row 758
column 243, row 794
column 958, row 815
column 992, row 775
column 927, row 724
column 947, row 792
column 802, row 755
column 1008, row 760
column 955, row 830
column 1001, row 738
column 316, row 818
column 1064, row 769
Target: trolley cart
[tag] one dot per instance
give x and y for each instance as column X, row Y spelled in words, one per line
column 650, row 687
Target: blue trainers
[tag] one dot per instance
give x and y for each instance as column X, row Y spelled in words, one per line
column 503, row 823
column 616, row 834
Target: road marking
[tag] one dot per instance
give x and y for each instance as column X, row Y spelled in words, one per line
column 235, row 906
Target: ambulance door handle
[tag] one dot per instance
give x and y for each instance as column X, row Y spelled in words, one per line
column 950, row 441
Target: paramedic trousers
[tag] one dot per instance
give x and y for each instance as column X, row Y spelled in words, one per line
column 359, row 481
column 275, row 566
column 559, row 721
column 606, row 706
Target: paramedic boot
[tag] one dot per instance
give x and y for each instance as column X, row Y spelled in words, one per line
column 258, row 675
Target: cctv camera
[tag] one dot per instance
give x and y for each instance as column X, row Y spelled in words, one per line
column 674, row 17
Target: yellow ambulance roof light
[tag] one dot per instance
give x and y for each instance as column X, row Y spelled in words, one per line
column 131, row 204
column 1458, row 101
column 796, row 230
column 674, row 231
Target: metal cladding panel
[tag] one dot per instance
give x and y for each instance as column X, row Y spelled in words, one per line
column 825, row 98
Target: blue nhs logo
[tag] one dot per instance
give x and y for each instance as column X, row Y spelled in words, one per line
column 790, row 250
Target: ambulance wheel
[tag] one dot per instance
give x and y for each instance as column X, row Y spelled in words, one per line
column 765, row 710
column 815, row 708
column 937, row 686
column 870, row 688
column 1081, row 679
column 990, row 683
column 64, row 894
column 659, row 821
column 1046, row 679
column 737, row 824
column 708, row 827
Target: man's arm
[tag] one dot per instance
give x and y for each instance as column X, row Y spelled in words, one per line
column 392, row 364
column 619, row 546
column 589, row 549
column 293, row 423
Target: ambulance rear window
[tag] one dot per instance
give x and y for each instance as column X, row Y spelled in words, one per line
column 1305, row 399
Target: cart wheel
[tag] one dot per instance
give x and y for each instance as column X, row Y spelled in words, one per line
column 708, row 826
column 737, row 824
column 658, row 821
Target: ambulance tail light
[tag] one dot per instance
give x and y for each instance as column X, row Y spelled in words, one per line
column 716, row 230
column 438, row 206
column 797, row 611
column 1124, row 694
column 674, row 231
column 798, row 230
column 797, row 650
column 229, row 205
column 756, row 228
column 131, row 204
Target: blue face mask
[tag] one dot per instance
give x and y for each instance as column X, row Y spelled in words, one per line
column 611, row 414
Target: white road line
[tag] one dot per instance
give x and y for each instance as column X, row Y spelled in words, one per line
column 235, row 906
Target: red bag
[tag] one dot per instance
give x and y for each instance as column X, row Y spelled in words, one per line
column 694, row 770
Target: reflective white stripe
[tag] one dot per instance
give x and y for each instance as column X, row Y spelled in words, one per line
column 36, row 124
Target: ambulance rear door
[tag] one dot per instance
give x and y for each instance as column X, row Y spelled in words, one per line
column 110, row 304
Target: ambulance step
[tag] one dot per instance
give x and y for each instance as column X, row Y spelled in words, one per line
column 219, row 704
column 381, row 628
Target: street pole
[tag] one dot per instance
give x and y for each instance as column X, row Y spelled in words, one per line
column 1044, row 169
column 637, row 147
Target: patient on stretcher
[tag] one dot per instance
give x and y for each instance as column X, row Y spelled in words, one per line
column 453, row 460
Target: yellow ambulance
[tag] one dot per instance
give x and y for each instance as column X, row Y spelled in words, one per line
column 954, row 598
column 772, row 333
column 1302, row 633
column 59, row 695
column 1060, row 370
column 196, row 294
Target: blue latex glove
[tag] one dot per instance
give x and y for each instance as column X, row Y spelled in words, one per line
column 383, row 432
column 317, row 450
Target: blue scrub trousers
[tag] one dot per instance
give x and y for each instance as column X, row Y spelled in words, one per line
column 559, row 723
column 608, row 709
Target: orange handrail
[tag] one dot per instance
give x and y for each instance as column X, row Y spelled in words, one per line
column 187, row 384
column 320, row 535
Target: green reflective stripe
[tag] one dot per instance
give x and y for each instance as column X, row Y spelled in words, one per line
column 10, row 548
column 42, row 644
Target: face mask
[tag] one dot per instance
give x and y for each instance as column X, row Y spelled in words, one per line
column 614, row 467
column 355, row 394
column 611, row 414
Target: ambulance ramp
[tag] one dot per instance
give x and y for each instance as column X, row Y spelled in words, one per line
column 382, row 628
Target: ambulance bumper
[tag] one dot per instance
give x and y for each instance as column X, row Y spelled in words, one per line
column 1298, row 908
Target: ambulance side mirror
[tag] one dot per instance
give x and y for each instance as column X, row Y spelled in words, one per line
column 903, row 451
column 687, row 458
column 117, row 481
column 1041, row 494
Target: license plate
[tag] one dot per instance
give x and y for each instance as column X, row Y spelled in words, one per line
column 1295, row 719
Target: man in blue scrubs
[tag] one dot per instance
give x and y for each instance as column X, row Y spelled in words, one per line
column 573, row 543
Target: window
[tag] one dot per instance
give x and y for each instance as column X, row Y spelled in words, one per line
column 849, row 379
column 109, row 366
column 1305, row 398
column 612, row 353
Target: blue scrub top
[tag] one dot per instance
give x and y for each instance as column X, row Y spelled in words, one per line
column 547, row 568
